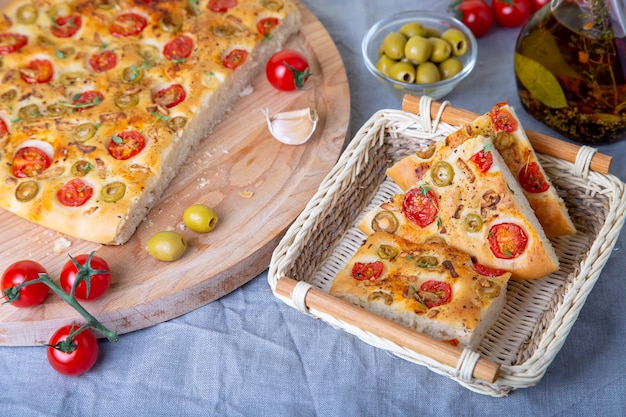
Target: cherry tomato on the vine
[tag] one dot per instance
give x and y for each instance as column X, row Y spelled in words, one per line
column 21, row 271
column 538, row 4
column 81, row 355
column 89, row 288
column 287, row 70
column 475, row 14
column 511, row 13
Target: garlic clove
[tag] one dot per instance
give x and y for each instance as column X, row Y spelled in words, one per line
column 292, row 127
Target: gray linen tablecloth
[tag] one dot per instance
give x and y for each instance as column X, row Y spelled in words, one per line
column 248, row 354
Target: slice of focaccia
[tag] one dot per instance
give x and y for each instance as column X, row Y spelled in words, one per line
column 434, row 289
column 469, row 199
column 503, row 126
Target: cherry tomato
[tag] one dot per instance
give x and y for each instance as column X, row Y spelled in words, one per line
column 511, row 13
column 87, row 100
column 287, row 70
column 267, row 25
column 126, row 144
column 103, row 61
column 84, row 351
column 507, row 240
column 483, row 159
column 74, row 193
column 364, row 271
column 502, row 120
column 127, row 24
column 11, row 42
column 476, row 14
column 235, row 58
column 66, row 26
column 221, row 6
column 4, row 129
column 538, row 4
column 435, row 293
column 37, row 71
column 91, row 287
column 170, row 96
column 30, row 161
column 178, row 48
column 486, row 271
column 420, row 206
column 19, row 272
column 532, row 179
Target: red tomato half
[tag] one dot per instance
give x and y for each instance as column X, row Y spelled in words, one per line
column 4, row 129
column 19, row 272
column 420, row 206
column 74, row 193
column 287, row 70
column 178, row 48
column 83, row 356
column 511, row 13
column 37, row 71
column 364, row 271
column 128, row 24
column 435, row 293
column 477, row 16
column 98, row 283
column 483, row 160
column 170, row 96
column 66, row 26
column 126, row 144
column 267, row 25
column 486, row 271
column 531, row 178
column 502, row 120
column 30, row 161
column 235, row 58
column 103, row 61
column 507, row 240
column 221, row 6
column 11, row 42
column 87, row 100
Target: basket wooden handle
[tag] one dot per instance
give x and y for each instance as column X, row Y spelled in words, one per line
column 541, row 143
column 445, row 353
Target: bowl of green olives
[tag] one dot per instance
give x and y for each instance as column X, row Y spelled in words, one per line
column 420, row 53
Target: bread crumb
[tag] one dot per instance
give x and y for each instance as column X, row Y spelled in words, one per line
column 246, row 194
column 61, row 245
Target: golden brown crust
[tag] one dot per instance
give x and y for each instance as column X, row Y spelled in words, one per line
column 398, row 294
column 493, row 196
column 142, row 70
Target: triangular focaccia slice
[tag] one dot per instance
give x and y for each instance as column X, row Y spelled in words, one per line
column 431, row 288
column 470, row 200
column 504, row 127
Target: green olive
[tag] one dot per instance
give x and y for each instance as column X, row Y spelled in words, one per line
column 56, row 109
column 412, row 29
column 442, row 173
column 450, row 67
column 29, row 112
column 224, row 31
column 384, row 63
column 84, row 132
column 27, row 14
column 274, row 5
column 126, row 101
column 166, row 246
column 417, row 49
column 65, row 52
column 432, row 32
column 81, row 168
column 171, row 23
column 8, row 95
column 427, row 261
column 71, row 78
column 26, row 191
column 384, row 221
column 487, row 288
column 457, row 40
column 44, row 41
column 427, row 73
column 402, row 71
column 107, row 4
column 132, row 74
column 62, row 9
column 441, row 50
column 393, row 45
column 503, row 140
column 472, row 222
column 149, row 52
column 113, row 191
column 387, row 252
column 176, row 123
column 200, row 218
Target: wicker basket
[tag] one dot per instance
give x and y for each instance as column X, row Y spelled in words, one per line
column 538, row 314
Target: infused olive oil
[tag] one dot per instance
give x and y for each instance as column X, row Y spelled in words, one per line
column 570, row 67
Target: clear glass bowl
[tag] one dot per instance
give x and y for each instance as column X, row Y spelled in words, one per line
column 374, row 38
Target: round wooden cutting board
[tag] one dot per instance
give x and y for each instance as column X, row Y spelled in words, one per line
column 257, row 186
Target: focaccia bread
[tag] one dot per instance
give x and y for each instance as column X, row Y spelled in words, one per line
column 470, row 200
column 503, row 126
column 431, row 288
column 101, row 101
